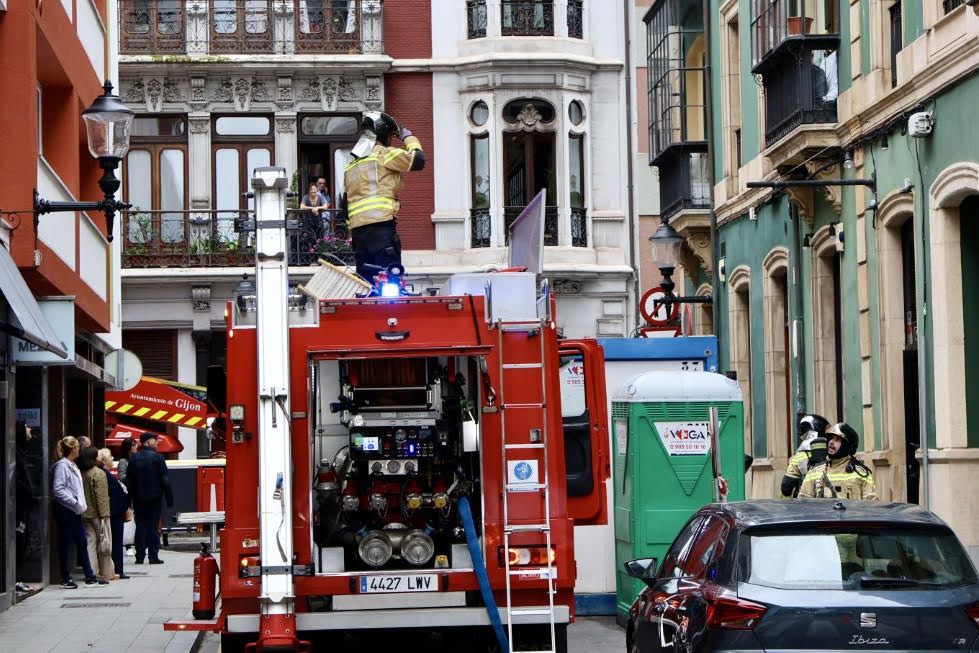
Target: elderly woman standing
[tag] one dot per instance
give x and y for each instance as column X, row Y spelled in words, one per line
column 69, row 504
column 96, row 516
column 118, row 506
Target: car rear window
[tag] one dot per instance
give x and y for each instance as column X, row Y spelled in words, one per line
column 853, row 558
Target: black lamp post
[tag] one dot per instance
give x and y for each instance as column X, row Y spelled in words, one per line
column 107, row 124
column 665, row 246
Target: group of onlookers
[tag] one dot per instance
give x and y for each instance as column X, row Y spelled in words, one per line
column 92, row 505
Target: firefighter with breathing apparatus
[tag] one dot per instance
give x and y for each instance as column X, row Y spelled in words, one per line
column 842, row 476
column 811, row 452
column 372, row 183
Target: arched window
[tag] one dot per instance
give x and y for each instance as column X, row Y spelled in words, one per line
column 529, row 161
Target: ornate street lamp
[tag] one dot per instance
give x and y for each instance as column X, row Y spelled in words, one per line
column 665, row 246
column 107, row 123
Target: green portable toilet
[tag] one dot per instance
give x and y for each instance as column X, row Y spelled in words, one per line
column 663, row 470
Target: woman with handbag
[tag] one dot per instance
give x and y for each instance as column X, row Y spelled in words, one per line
column 98, row 531
column 119, row 510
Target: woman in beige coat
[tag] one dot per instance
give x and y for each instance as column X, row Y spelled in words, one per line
column 96, row 516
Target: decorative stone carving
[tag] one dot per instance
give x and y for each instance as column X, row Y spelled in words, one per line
column 224, row 91
column 285, row 125
column 834, row 194
column 197, row 97
column 330, row 93
column 528, row 118
column 201, row 298
column 172, row 91
column 243, row 94
column 802, row 199
column 566, row 286
column 699, row 243
column 154, row 94
column 347, row 92
column 135, row 92
column 311, row 93
column 372, row 98
column 260, row 92
column 283, row 98
column 199, row 125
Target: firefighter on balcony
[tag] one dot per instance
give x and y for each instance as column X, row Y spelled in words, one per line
column 372, row 183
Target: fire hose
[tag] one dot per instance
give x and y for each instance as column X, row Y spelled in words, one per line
column 480, row 568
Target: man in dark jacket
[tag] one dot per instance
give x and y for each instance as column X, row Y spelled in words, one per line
column 148, row 484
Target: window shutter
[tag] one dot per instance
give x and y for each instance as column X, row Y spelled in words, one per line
column 156, row 349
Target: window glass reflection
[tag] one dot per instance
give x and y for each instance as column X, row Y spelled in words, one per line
column 139, row 193
column 172, row 195
column 242, row 126
column 227, row 191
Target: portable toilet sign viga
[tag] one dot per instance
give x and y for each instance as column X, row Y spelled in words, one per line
column 674, row 433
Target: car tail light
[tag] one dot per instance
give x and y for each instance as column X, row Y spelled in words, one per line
column 731, row 613
column 973, row 612
column 528, row 556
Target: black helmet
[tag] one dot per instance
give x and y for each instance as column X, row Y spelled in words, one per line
column 846, row 433
column 812, row 422
column 380, row 123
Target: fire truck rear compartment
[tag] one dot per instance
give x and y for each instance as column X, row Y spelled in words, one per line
column 388, row 435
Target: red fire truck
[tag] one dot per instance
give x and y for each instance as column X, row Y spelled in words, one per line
column 399, row 466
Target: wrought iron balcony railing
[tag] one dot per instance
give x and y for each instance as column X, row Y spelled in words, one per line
column 510, row 213
column 951, row 5
column 480, row 225
column 527, row 18
column 800, row 91
column 579, row 227
column 480, row 228
column 575, row 19
column 476, row 18
column 165, row 239
column 251, row 26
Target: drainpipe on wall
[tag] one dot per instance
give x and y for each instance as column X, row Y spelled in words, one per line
column 795, row 264
column 709, row 120
column 628, row 10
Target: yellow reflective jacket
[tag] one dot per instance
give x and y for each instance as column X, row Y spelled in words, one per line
column 798, row 467
column 858, row 484
column 374, row 182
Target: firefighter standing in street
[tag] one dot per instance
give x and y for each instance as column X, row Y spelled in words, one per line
column 806, row 456
column 372, row 183
column 842, row 476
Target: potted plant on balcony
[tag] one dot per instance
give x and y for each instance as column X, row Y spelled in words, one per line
column 797, row 23
column 333, row 249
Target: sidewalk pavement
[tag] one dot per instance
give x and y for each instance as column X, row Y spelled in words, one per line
column 125, row 615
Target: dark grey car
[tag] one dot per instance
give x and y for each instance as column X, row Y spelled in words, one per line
column 808, row 575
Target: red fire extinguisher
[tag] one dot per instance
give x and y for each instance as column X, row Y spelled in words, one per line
column 205, row 583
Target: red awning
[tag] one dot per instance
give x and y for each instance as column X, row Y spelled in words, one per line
column 164, row 443
column 161, row 401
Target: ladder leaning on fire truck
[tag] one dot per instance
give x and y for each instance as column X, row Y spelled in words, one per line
column 540, row 523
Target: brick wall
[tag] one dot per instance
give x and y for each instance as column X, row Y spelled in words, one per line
column 408, row 29
column 408, row 97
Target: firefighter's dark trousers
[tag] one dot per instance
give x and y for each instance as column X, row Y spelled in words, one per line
column 376, row 246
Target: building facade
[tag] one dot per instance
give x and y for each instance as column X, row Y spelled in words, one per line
column 852, row 300
column 507, row 98
column 60, row 292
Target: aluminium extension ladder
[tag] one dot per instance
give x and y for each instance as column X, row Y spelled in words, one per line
column 531, row 445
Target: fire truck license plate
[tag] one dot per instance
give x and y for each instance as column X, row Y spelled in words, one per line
column 400, row 583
